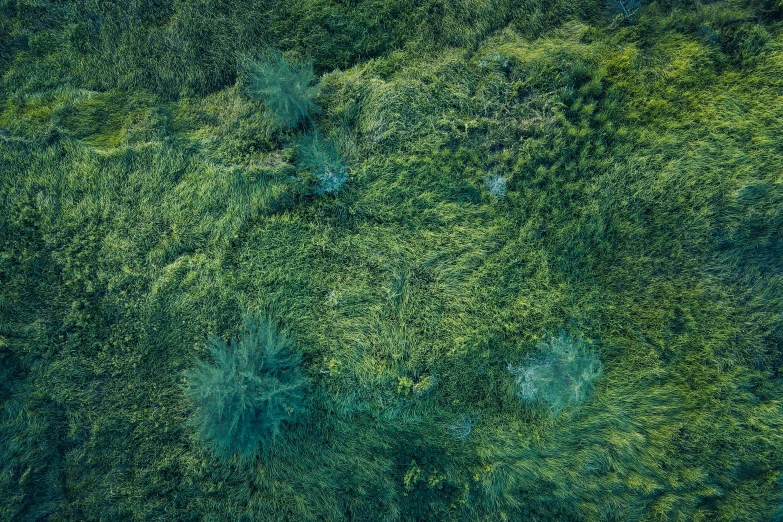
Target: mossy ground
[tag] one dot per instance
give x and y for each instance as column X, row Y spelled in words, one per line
column 146, row 205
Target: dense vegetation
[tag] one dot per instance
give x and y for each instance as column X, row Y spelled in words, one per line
column 421, row 193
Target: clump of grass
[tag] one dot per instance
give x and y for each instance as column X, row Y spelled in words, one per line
column 286, row 89
column 626, row 8
column 561, row 374
column 252, row 387
column 752, row 240
column 461, row 427
column 321, row 157
column 496, row 185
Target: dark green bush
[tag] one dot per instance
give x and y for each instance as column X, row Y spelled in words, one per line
column 285, row 89
column 252, row 387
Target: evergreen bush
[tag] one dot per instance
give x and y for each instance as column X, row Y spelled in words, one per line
column 286, row 90
column 252, row 387
column 561, row 374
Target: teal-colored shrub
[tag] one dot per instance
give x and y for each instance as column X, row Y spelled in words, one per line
column 497, row 185
column 561, row 374
column 286, row 90
column 252, row 387
column 321, row 157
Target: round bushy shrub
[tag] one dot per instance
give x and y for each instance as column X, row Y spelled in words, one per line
column 253, row 386
column 286, row 90
column 562, row 373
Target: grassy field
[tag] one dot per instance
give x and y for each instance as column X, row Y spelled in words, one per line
column 516, row 171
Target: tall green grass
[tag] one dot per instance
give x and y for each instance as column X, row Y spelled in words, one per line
column 146, row 205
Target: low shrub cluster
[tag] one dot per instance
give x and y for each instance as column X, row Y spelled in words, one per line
column 288, row 94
